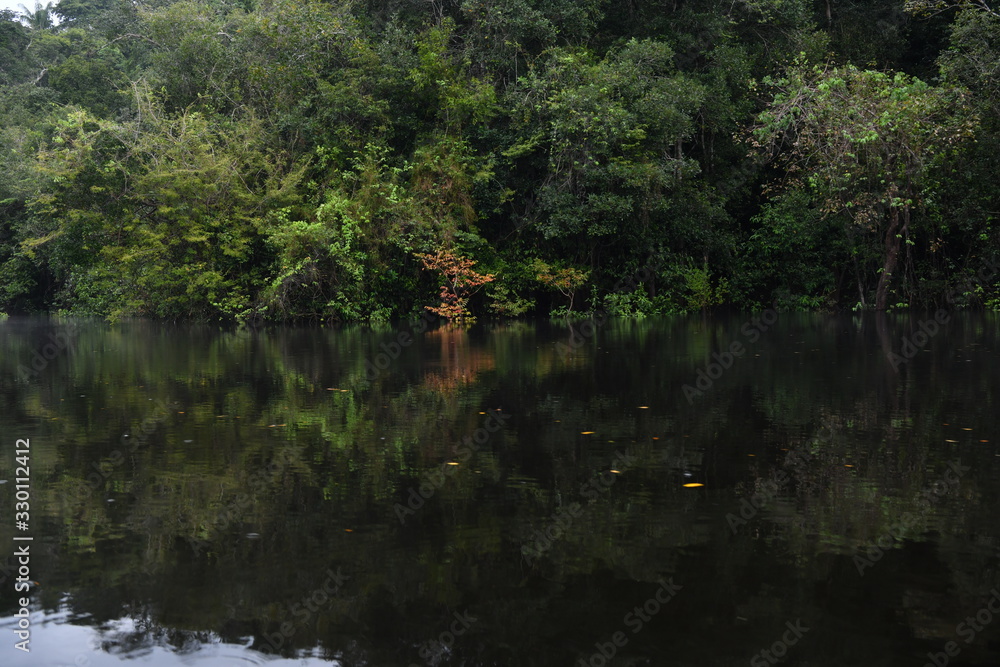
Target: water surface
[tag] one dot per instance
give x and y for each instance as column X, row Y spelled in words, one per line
column 709, row 490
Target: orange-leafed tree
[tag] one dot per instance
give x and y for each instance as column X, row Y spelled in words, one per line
column 460, row 282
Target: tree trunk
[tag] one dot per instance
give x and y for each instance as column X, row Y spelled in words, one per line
column 898, row 222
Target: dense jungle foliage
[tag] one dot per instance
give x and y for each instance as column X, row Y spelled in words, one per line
column 339, row 160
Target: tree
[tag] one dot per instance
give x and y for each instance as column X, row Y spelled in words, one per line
column 39, row 18
column 84, row 12
column 597, row 153
column 159, row 216
column 461, row 281
column 567, row 279
column 929, row 7
column 14, row 41
column 867, row 144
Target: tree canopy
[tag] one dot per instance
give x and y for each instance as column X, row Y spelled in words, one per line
column 295, row 159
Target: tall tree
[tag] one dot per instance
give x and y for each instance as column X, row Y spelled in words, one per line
column 39, row 18
column 866, row 143
column 610, row 134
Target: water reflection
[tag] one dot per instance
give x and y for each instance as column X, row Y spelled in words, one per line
column 233, row 495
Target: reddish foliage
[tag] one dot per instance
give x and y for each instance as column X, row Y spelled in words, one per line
column 461, row 282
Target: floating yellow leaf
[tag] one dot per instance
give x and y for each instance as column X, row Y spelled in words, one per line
column 586, row 432
column 951, row 440
column 848, row 465
column 452, row 463
column 617, row 472
column 692, row 485
column 644, row 407
column 966, row 429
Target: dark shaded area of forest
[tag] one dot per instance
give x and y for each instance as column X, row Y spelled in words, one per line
column 339, row 161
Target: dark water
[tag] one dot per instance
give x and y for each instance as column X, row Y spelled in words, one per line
column 507, row 494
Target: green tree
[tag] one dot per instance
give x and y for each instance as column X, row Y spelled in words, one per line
column 158, row 216
column 14, row 41
column 602, row 142
column 83, row 12
column 39, row 18
column 867, row 144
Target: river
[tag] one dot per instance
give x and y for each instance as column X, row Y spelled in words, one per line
column 731, row 489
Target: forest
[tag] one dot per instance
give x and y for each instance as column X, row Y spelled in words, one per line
column 353, row 160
